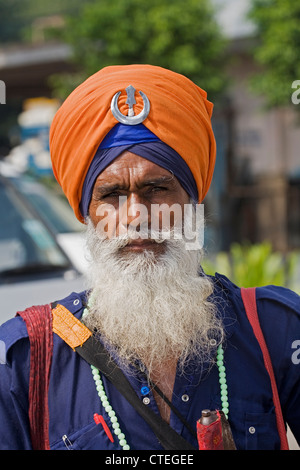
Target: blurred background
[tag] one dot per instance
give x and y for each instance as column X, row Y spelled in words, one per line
column 244, row 53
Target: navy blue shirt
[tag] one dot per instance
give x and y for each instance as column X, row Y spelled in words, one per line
column 73, row 398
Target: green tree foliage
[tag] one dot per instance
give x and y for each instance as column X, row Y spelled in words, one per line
column 9, row 22
column 181, row 35
column 278, row 29
column 17, row 16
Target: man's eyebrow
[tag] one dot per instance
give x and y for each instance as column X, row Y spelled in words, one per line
column 157, row 181
column 108, row 187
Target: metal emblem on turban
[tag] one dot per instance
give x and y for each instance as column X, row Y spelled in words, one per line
column 130, row 119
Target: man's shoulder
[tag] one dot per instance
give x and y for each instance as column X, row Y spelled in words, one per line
column 279, row 318
column 281, row 296
column 11, row 332
column 266, row 296
column 75, row 302
column 15, row 330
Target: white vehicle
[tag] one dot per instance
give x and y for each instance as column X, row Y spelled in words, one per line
column 41, row 245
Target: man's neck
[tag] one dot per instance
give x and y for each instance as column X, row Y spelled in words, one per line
column 164, row 377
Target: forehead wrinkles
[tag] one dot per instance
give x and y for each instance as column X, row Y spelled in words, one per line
column 121, row 173
column 136, row 171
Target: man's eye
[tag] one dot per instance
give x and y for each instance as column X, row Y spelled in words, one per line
column 156, row 189
column 112, row 194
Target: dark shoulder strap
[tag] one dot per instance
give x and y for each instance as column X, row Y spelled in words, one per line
column 249, row 300
column 80, row 339
column 94, row 353
column 38, row 321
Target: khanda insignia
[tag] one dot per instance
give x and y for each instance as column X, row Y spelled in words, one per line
column 130, row 119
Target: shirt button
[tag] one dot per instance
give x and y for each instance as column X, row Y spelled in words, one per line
column 145, row 390
column 185, row 397
column 252, row 429
column 146, row 400
column 76, row 302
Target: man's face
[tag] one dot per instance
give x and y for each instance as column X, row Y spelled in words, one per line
column 142, row 185
column 146, row 297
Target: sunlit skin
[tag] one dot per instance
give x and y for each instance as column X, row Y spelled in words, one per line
column 141, row 182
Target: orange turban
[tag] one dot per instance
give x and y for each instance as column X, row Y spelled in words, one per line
column 180, row 116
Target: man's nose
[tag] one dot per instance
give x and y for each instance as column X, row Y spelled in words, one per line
column 134, row 212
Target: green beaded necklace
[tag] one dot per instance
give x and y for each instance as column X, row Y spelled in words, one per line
column 222, row 381
column 112, row 415
column 108, row 408
column 106, row 405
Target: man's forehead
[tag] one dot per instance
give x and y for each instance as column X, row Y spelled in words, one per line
column 129, row 165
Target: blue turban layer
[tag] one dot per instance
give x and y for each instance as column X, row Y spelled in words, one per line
column 142, row 142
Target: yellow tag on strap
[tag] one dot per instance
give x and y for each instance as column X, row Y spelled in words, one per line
column 68, row 327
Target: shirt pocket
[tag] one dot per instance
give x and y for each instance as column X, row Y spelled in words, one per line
column 96, row 439
column 92, row 437
column 261, row 431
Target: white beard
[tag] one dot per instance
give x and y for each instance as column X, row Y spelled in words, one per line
column 150, row 308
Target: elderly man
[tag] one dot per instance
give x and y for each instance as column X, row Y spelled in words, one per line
column 137, row 360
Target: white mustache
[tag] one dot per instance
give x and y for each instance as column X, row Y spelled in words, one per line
column 129, row 234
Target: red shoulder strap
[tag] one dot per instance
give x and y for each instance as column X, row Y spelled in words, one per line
column 39, row 326
column 249, row 299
